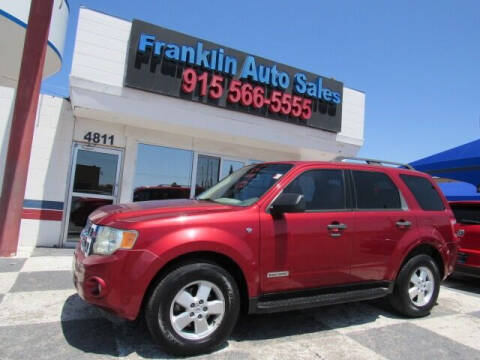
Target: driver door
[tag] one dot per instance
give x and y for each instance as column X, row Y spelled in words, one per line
column 313, row 248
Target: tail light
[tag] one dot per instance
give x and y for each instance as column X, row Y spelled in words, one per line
column 457, row 233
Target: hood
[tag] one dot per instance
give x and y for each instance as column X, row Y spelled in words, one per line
column 149, row 210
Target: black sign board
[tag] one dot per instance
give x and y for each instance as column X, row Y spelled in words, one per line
column 174, row 64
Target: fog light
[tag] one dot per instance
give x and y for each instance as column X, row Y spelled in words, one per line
column 97, row 287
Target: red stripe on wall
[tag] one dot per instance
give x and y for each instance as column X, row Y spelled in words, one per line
column 37, row 214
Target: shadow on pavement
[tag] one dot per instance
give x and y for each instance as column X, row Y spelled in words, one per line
column 90, row 335
column 308, row 321
column 102, row 336
column 277, row 325
column 464, row 283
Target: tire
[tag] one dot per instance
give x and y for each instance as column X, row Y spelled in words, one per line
column 409, row 282
column 172, row 325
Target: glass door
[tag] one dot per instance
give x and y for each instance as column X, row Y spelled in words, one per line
column 94, row 183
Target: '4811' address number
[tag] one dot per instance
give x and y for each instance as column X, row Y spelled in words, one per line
column 98, row 138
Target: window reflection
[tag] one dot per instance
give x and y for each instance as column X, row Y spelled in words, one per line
column 229, row 167
column 95, row 172
column 208, row 168
column 80, row 208
column 162, row 173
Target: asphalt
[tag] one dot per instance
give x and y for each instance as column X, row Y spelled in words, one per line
column 41, row 317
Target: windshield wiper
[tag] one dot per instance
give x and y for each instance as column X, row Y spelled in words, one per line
column 207, row 199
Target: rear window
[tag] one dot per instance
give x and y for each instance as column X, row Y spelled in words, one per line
column 467, row 213
column 375, row 190
column 424, row 191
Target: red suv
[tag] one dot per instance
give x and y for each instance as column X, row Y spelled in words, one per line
column 269, row 237
column 468, row 225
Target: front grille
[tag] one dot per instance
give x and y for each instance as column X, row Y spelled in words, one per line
column 87, row 237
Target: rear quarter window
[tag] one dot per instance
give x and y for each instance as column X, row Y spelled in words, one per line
column 424, row 191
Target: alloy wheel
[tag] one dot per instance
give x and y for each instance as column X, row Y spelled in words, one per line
column 421, row 286
column 197, row 310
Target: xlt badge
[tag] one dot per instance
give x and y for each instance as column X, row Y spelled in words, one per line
column 277, row 274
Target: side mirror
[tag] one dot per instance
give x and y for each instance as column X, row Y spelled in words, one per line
column 287, row 203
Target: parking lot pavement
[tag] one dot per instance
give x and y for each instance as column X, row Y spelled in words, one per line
column 41, row 317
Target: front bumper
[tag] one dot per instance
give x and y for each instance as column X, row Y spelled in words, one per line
column 116, row 283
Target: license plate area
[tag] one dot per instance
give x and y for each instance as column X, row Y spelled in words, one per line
column 462, row 258
column 87, row 238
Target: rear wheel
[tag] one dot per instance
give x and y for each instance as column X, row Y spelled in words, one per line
column 417, row 287
column 193, row 309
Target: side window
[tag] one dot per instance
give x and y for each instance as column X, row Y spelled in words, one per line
column 375, row 190
column 322, row 189
column 425, row 193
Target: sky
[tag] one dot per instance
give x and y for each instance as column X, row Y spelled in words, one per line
column 418, row 62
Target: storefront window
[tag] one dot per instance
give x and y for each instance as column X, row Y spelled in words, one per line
column 230, row 166
column 208, row 169
column 162, row 173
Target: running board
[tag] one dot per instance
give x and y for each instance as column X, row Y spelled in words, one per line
column 305, row 302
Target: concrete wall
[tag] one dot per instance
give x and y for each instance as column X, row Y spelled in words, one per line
column 7, row 95
column 100, row 48
column 48, row 168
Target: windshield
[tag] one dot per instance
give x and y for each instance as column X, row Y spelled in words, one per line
column 245, row 186
column 467, row 213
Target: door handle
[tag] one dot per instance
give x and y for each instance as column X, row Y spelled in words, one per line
column 404, row 224
column 336, row 226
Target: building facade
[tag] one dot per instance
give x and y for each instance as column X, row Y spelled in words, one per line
column 155, row 114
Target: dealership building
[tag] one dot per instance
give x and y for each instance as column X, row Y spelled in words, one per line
column 156, row 114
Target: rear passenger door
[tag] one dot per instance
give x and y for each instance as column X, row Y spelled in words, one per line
column 381, row 222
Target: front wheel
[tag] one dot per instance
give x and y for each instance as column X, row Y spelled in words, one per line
column 417, row 287
column 193, row 309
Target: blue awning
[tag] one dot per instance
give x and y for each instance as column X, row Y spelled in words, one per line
column 460, row 163
column 459, row 191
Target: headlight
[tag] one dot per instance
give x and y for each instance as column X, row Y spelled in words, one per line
column 108, row 240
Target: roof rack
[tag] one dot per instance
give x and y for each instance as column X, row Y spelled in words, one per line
column 373, row 161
